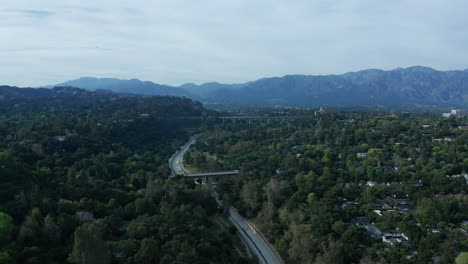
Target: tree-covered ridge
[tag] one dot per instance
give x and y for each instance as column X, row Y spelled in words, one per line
column 133, row 86
column 84, row 179
column 392, row 188
column 76, row 99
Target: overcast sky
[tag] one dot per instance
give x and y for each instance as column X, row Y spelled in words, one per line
column 174, row 42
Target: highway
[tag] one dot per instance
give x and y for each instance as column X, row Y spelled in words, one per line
column 252, row 237
column 176, row 159
column 262, row 249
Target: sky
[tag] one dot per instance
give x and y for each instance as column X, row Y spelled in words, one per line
column 175, row 42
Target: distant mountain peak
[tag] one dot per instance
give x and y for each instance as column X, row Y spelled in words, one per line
column 188, row 85
column 417, row 68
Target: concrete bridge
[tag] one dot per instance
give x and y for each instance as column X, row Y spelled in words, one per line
column 249, row 119
column 177, row 168
column 209, row 177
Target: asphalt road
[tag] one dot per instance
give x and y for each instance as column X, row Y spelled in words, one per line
column 266, row 253
column 175, row 161
column 260, row 247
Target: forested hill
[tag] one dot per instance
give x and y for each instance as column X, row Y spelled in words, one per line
column 31, row 98
column 101, row 101
column 84, row 179
column 133, row 86
column 11, row 92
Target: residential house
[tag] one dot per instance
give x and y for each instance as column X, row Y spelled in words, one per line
column 372, row 183
column 349, row 204
column 376, row 212
column 361, row 221
column 390, row 213
column 374, row 231
column 381, row 204
column 400, row 201
column 394, row 239
column 458, row 176
column 418, row 184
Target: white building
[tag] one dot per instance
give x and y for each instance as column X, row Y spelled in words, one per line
column 321, row 111
column 453, row 112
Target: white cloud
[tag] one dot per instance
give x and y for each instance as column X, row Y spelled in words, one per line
column 44, row 42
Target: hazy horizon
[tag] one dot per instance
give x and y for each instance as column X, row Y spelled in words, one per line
column 174, row 42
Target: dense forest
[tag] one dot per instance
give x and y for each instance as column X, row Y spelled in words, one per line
column 347, row 187
column 84, row 179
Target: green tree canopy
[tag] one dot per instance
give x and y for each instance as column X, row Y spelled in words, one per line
column 6, row 228
column 89, row 246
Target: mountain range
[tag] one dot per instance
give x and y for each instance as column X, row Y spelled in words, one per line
column 399, row 87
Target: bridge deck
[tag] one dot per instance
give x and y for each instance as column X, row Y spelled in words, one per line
column 264, row 117
column 219, row 173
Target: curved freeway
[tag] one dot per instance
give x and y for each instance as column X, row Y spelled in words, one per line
column 252, row 237
column 175, row 162
column 255, row 241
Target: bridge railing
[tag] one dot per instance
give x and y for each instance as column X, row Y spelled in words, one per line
column 214, row 174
